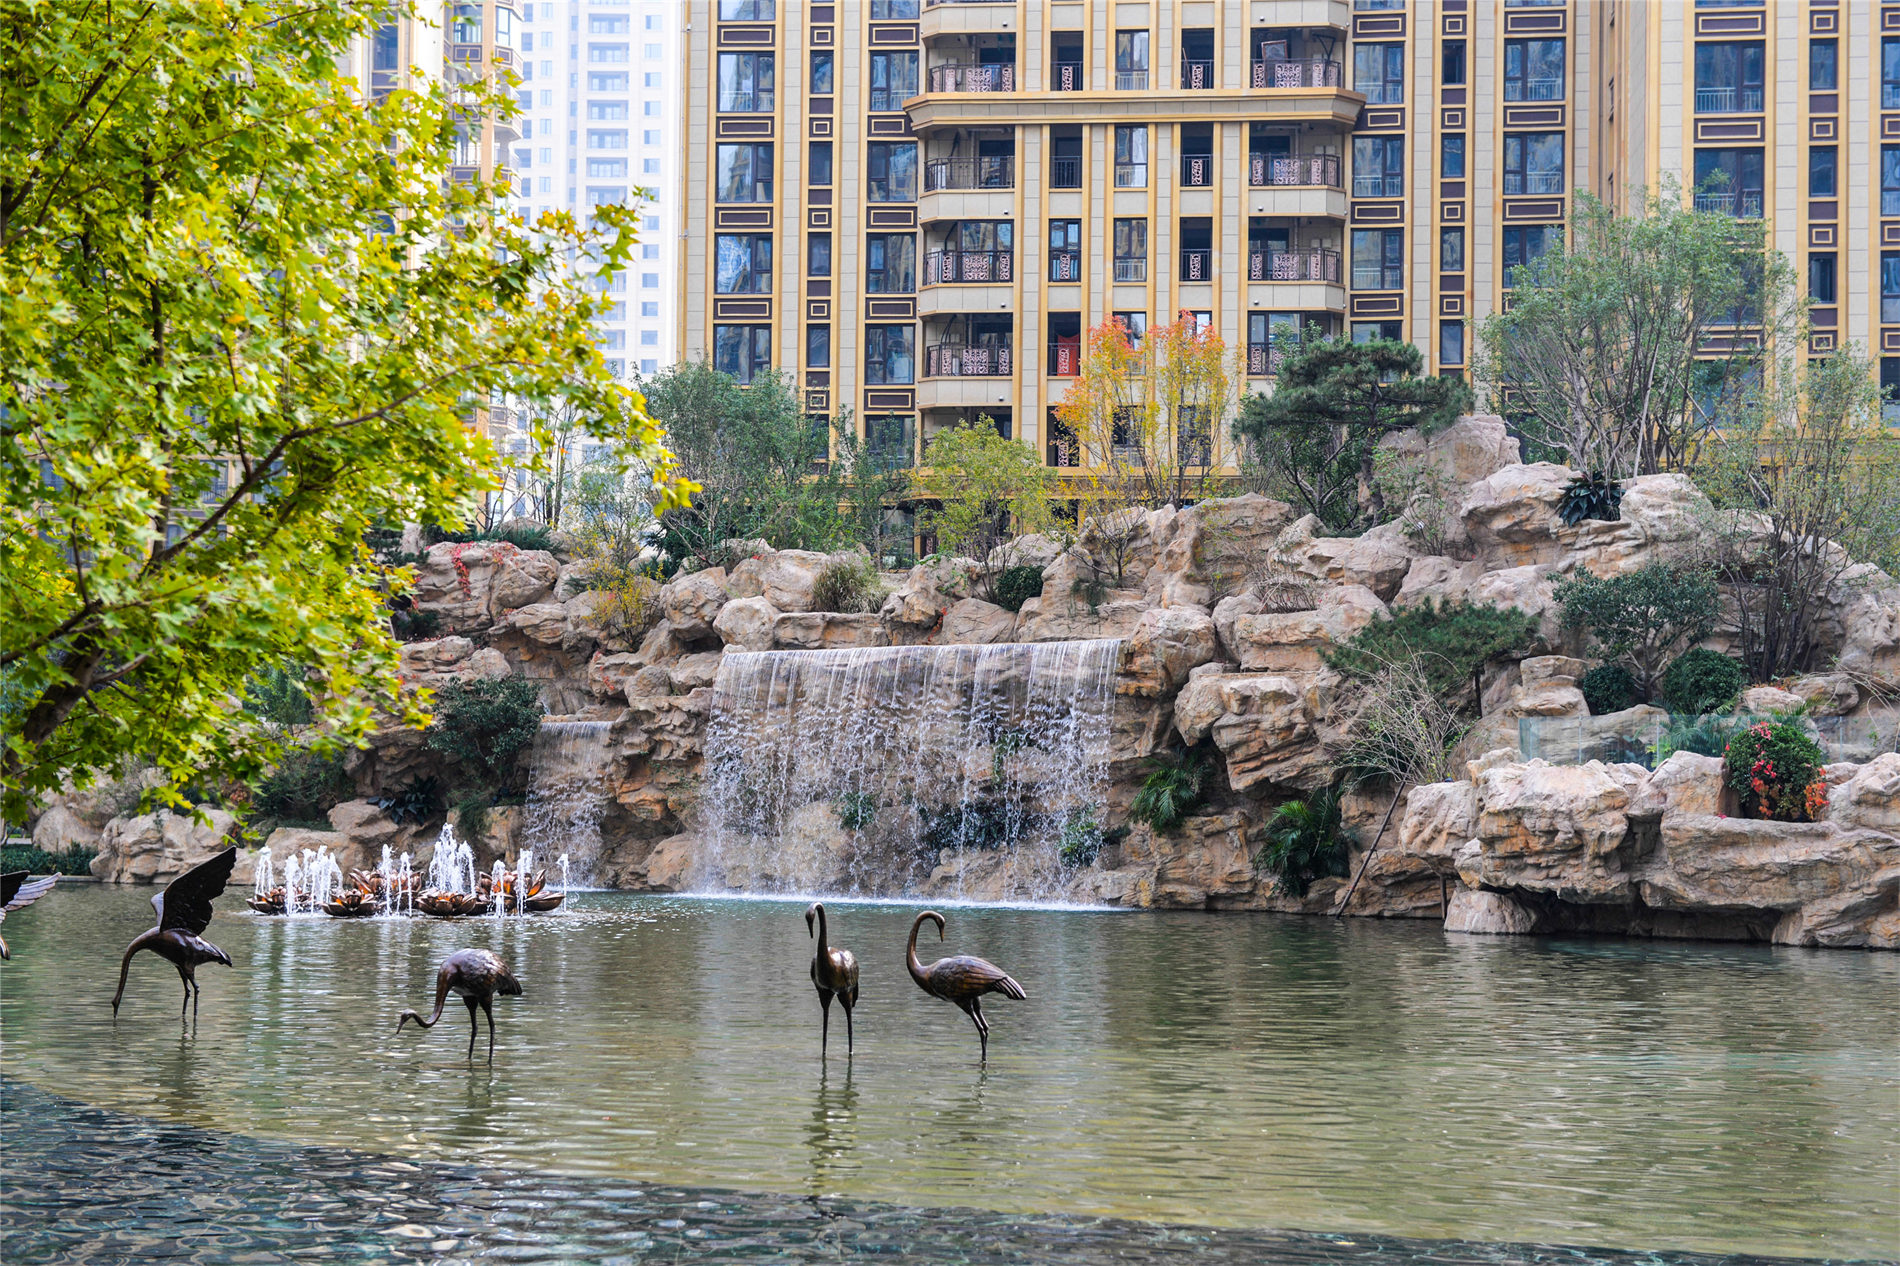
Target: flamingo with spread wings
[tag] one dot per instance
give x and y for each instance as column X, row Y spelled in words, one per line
column 184, row 912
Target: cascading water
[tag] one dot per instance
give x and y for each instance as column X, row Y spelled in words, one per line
column 865, row 770
column 452, row 868
column 567, row 793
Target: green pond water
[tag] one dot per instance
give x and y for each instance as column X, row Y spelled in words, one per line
column 1233, row 1070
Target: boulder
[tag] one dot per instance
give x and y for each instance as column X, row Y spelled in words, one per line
column 1869, row 799
column 1740, row 864
column 1474, row 447
column 647, row 682
column 1685, row 783
column 1066, row 618
column 1511, row 515
column 1434, row 578
column 543, row 622
column 156, row 848
column 456, row 582
column 1037, row 549
column 1440, row 818
column 290, row 841
column 1765, row 700
column 1826, row 694
column 1487, row 913
column 60, row 830
column 693, row 601
column 914, row 611
column 1379, row 559
column 607, row 675
column 1213, row 545
column 1262, row 724
column 1167, row 644
column 784, row 578
column 1553, row 829
column 1546, row 686
column 1871, row 644
column 747, row 623
column 976, row 622
column 1296, row 641
column 827, row 630
column 695, row 672
column 369, row 829
column 523, row 577
column 1227, row 613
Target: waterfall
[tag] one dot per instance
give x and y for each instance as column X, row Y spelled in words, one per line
column 567, row 793
column 865, row 770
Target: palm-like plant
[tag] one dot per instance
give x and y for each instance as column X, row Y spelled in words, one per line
column 1304, row 842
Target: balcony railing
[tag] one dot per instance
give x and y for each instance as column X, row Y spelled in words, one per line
column 747, row 101
column 1308, row 265
column 1550, row 89
column 1196, row 75
column 946, row 268
column 968, row 77
column 1744, row 205
column 1197, row 264
column 1066, row 77
column 1131, row 270
column 1065, row 173
column 1516, row 182
column 1890, row 94
column 1197, row 170
column 960, row 360
column 1302, row 72
column 1263, row 360
column 1131, row 175
column 1378, row 185
column 1065, row 265
column 1131, row 81
column 1377, row 277
column 1065, row 358
column 1293, row 169
column 1727, row 100
column 992, row 171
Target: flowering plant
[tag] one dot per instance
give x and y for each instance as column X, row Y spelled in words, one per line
column 1776, row 770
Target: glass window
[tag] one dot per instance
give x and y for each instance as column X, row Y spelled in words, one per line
column 1378, row 70
column 466, row 26
column 1065, row 250
column 890, row 264
column 745, row 82
column 1131, row 157
column 1451, row 65
column 891, row 172
column 890, row 354
column 1378, row 166
column 1821, row 276
column 1525, row 246
column 1451, row 250
column 1729, row 181
column 1728, row 77
column 1824, row 66
column 606, row 168
column 604, row 110
column 745, row 173
column 1378, row 259
column 1134, row 324
column 1131, row 59
column 818, row 347
column 818, row 168
column 606, row 138
column 1889, row 287
column 605, row 81
column 1889, row 179
column 1533, row 70
column 742, row 263
column 1533, row 162
column 1821, row 171
column 1131, row 250
column 1451, row 343
column 1369, row 331
column 893, row 79
column 742, row 351
column 821, row 64
column 1451, row 155
column 1890, row 74
column 893, row 10
column 818, row 255
column 747, row 10
column 1890, row 388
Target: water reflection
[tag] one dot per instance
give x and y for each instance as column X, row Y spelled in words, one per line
column 1232, row 1070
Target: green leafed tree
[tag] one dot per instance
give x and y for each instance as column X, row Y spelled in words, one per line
column 984, row 489
column 1334, row 401
column 247, row 314
column 1641, row 619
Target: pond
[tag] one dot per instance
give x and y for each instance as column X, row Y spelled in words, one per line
column 1348, row 1078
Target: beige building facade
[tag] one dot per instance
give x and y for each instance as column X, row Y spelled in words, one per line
column 919, row 209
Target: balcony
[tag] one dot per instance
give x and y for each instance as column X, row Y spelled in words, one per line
column 1066, row 77
column 995, row 171
column 1131, row 270
column 970, row 77
column 1310, row 265
column 1304, row 72
column 1743, row 205
column 1131, row 81
column 1197, row 76
column 1197, row 170
column 1523, row 182
column 960, row 360
column 1065, row 358
column 1065, row 173
column 1263, row 360
column 950, row 268
column 1546, row 89
column 1728, row 100
column 1293, row 170
column 1131, row 175
column 1197, row 264
column 1065, row 265
column 747, row 101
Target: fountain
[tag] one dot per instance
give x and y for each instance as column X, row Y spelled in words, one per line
column 267, row 896
column 312, row 881
column 452, row 888
column 567, row 795
column 865, row 770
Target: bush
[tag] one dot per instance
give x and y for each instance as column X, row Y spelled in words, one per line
column 418, row 802
column 1082, row 839
column 1608, row 688
column 1703, row 735
column 1702, row 681
column 1640, row 618
column 984, row 824
column 848, row 586
column 1451, row 643
column 856, row 810
column 1014, row 586
column 471, row 816
column 1304, row 842
column 1594, row 496
column 630, row 605
column 1776, row 770
column 302, row 787
column 37, row 861
column 411, row 623
column 1171, row 791
column 482, row 727
column 519, row 535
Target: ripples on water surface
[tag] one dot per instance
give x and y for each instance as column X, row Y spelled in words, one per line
column 1234, row 1071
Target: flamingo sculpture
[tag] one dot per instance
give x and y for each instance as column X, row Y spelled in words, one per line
column 962, row 980
column 475, row 976
column 17, row 894
column 834, row 972
column 184, row 912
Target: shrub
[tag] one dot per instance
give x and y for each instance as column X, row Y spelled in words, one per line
column 1014, row 586
column 471, row 816
column 1640, row 618
column 1776, row 770
column 1592, row 496
column 519, row 535
column 1608, row 688
column 984, row 824
column 1703, row 735
column 1171, row 791
column 630, row 605
column 848, row 586
column 37, row 861
column 856, row 810
column 1701, row 681
column 418, row 802
column 1082, row 839
column 411, row 623
column 482, row 726
column 1451, row 643
column 302, row 787
column 1304, row 842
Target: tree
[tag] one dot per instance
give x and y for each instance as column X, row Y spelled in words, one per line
column 247, row 317
column 1150, row 418
column 1806, row 486
column 985, row 489
column 1641, row 618
column 1602, row 356
column 1448, row 644
column 1334, row 401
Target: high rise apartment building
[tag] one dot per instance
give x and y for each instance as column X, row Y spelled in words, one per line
column 919, row 208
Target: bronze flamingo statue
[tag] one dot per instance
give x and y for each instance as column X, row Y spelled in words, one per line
column 962, row 980
column 475, row 976
column 834, row 972
column 184, row 911
column 17, row 894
